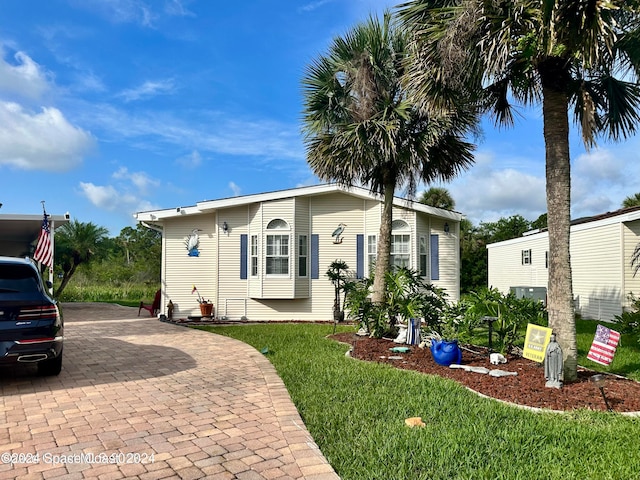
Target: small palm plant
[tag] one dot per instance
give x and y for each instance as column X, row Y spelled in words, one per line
column 338, row 273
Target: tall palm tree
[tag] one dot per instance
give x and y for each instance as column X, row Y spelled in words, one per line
column 438, row 197
column 557, row 55
column 359, row 127
column 76, row 243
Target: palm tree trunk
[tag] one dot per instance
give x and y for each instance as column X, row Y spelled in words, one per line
column 384, row 244
column 558, row 177
column 65, row 280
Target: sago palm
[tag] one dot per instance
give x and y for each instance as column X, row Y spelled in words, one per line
column 581, row 55
column 360, row 128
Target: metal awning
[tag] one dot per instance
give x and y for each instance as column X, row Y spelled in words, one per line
column 19, row 233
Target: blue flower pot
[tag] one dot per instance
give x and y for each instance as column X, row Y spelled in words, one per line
column 446, row 352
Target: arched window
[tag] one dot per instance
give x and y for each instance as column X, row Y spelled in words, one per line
column 400, row 244
column 277, row 253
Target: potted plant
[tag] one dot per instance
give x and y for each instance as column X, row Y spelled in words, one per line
column 206, row 307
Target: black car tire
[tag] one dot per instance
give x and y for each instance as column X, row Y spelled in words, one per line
column 51, row 367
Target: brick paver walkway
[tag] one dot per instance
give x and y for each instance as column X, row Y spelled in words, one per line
column 159, row 400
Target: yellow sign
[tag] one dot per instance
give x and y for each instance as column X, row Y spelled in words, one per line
column 535, row 342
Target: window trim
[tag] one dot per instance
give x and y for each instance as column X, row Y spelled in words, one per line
column 303, row 259
column 253, row 255
column 276, row 228
column 423, row 256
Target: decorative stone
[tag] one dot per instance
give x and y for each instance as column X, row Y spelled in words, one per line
column 481, row 370
column 469, row 368
column 553, row 364
column 502, row 373
column 497, row 359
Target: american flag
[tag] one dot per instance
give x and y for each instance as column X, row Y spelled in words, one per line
column 44, row 248
column 604, row 345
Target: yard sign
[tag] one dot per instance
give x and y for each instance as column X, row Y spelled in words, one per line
column 535, row 342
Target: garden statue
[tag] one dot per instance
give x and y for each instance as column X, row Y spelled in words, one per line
column 553, row 364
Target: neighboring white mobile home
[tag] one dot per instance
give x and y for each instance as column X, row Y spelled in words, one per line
column 601, row 249
column 264, row 256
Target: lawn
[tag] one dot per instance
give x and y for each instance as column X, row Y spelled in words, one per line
column 355, row 412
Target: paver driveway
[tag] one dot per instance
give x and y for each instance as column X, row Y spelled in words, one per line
column 160, row 400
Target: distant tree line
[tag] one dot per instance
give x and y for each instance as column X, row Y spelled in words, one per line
column 84, row 251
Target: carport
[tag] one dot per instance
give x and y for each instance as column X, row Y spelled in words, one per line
column 19, row 233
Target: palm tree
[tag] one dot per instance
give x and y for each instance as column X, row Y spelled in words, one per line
column 76, row 243
column 438, row 197
column 360, row 128
column 631, row 201
column 556, row 55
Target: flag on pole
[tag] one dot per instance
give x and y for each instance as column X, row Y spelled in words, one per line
column 604, row 345
column 44, row 248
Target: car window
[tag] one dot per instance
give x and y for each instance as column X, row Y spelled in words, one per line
column 18, row 278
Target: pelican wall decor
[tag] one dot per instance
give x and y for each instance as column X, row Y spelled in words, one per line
column 193, row 242
column 337, row 232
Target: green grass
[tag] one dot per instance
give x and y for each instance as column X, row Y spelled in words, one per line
column 355, row 412
column 129, row 295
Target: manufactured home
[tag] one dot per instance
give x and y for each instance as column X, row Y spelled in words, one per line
column 265, row 256
column 602, row 251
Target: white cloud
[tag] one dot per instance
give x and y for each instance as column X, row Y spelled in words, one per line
column 147, row 90
column 193, row 160
column 26, row 78
column 177, row 8
column 309, row 7
column 600, row 165
column 235, row 189
column 215, row 133
column 488, row 192
column 40, row 141
column 140, row 180
column 112, row 199
column 121, row 11
column 106, row 197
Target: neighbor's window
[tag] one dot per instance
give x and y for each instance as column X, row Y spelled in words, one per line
column 277, row 252
column 400, row 244
column 254, row 255
column 303, row 255
column 526, row 257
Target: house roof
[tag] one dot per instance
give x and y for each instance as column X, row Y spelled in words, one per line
column 622, row 215
column 208, row 206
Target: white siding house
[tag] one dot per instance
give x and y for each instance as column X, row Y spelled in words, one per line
column 264, row 257
column 601, row 251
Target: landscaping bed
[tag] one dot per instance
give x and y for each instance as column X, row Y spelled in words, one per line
column 526, row 389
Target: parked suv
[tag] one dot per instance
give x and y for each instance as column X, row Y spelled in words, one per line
column 31, row 326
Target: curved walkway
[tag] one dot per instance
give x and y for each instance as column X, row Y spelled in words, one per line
column 140, row 398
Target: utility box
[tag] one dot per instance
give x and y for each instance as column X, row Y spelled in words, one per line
column 535, row 293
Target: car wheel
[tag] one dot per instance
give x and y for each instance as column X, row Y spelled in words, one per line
column 50, row 367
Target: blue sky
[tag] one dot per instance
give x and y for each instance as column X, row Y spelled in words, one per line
column 108, row 107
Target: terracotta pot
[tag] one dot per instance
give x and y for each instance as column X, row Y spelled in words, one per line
column 206, row 309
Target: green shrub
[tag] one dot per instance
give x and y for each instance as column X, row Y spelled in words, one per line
column 629, row 320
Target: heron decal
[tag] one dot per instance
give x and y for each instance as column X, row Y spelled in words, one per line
column 337, row 232
column 193, row 242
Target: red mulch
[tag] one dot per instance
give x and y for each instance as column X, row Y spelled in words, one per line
column 527, row 388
